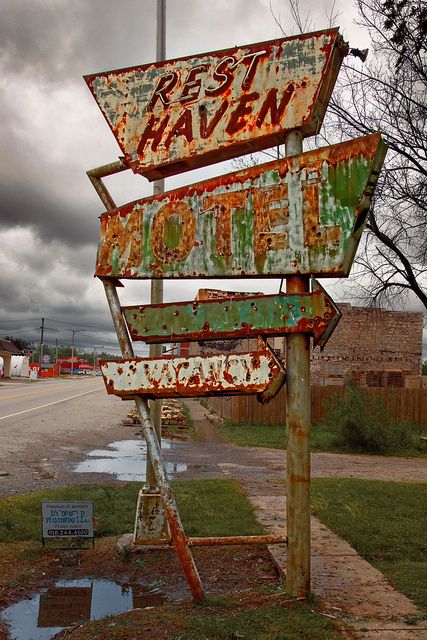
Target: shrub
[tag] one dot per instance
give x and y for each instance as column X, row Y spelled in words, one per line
column 362, row 423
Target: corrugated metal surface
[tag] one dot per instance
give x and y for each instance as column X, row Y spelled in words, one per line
column 272, row 315
column 171, row 116
column 198, row 376
column 298, row 215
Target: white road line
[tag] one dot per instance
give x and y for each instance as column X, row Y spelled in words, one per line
column 49, row 404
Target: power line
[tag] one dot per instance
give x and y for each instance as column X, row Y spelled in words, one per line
column 74, row 324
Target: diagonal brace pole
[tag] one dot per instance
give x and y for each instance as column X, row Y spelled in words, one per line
column 154, row 451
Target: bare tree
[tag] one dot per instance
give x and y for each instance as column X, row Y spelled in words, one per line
column 389, row 95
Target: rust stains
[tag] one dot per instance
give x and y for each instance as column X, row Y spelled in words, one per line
column 171, row 376
column 300, row 215
column 177, row 115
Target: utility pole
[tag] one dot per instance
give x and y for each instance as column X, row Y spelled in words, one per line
column 73, row 331
column 41, row 343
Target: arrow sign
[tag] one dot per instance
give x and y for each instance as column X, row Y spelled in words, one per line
column 172, row 116
column 273, row 315
column 300, row 215
column 171, row 376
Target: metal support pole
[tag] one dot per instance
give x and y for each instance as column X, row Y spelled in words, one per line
column 153, row 450
column 157, row 285
column 298, row 431
column 150, row 521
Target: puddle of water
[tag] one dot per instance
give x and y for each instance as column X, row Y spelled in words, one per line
column 72, row 601
column 126, row 459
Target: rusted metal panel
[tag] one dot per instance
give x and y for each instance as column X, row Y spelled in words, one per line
column 171, row 376
column 272, row 315
column 172, row 116
column 298, row 215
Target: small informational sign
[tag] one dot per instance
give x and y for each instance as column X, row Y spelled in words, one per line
column 33, row 374
column 67, row 520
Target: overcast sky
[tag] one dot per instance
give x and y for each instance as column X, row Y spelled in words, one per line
column 52, row 132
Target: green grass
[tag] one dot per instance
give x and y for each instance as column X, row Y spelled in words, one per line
column 215, row 507
column 386, row 522
column 322, row 438
column 270, row 436
column 231, row 618
column 269, row 622
column 273, row 436
column 207, row 507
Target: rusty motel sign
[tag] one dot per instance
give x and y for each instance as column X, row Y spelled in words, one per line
column 175, row 376
column 302, row 214
column 230, row 318
column 296, row 217
column 172, row 116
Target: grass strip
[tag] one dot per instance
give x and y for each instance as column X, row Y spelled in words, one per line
column 207, row 507
column 219, row 619
column 386, row 522
column 322, row 438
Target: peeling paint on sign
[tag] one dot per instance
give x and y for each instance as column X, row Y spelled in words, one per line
column 300, row 215
column 172, row 116
column 171, row 376
column 273, row 315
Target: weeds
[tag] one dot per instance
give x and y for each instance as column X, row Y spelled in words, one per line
column 362, row 424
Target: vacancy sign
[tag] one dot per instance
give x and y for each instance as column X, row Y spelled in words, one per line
column 197, row 376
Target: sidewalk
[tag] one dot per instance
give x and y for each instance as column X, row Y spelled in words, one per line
column 353, row 591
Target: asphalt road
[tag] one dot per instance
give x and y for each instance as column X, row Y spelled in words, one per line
column 18, row 398
column 47, row 427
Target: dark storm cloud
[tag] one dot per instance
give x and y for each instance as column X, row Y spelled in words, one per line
column 25, row 204
column 63, row 38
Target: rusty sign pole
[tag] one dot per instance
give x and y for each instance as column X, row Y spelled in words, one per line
column 154, row 451
column 157, row 284
column 298, row 429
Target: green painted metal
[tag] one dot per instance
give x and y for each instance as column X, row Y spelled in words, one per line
column 272, row 315
column 300, row 215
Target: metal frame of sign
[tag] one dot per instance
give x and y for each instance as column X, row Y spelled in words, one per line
column 154, row 112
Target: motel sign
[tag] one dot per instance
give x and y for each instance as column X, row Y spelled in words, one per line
column 302, row 214
column 296, row 217
column 169, row 117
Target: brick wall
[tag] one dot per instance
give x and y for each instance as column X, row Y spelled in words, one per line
column 372, row 345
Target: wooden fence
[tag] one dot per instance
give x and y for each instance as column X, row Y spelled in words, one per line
column 403, row 404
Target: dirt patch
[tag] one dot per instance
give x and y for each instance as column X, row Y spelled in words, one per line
column 26, row 569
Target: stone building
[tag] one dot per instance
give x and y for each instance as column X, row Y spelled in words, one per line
column 376, row 347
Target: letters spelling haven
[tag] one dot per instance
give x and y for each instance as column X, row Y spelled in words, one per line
column 176, row 115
